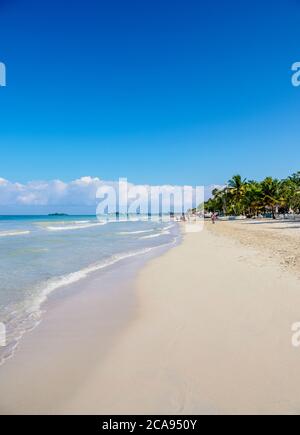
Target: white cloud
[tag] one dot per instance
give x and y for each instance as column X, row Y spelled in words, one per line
column 79, row 192
column 56, row 192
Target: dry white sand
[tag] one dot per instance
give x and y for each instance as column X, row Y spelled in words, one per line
column 210, row 332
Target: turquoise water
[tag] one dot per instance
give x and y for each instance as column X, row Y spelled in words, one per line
column 39, row 254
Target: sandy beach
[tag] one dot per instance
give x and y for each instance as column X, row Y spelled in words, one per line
column 149, row 210
column 205, row 328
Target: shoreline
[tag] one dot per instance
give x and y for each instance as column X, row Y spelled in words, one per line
column 213, row 336
column 65, row 285
column 205, row 329
column 74, row 316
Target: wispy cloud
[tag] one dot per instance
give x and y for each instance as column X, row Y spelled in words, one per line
column 79, row 192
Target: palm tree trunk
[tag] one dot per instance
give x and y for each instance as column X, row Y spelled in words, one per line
column 273, row 213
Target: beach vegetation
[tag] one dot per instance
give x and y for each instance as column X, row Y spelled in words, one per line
column 250, row 198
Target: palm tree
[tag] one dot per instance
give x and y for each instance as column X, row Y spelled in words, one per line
column 295, row 178
column 220, row 197
column 252, row 197
column 295, row 202
column 271, row 194
column 288, row 190
column 237, row 188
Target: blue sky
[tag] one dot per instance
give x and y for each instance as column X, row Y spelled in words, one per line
column 158, row 91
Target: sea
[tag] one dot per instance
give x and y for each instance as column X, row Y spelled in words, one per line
column 40, row 254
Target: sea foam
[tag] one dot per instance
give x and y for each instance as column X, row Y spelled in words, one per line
column 77, row 226
column 13, row 233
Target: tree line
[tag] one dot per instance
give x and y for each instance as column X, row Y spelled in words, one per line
column 253, row 198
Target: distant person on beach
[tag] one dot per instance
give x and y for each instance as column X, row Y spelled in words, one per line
column 213, row 218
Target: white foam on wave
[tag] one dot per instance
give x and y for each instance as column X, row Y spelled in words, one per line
column 123, row 233
column 152, row 236
column 81, row 222
column 78, row 226
column 120, row 220
column 169, row 227
column 32, row 311
column 13, row 233
column 73, row 277
column 68, row 222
